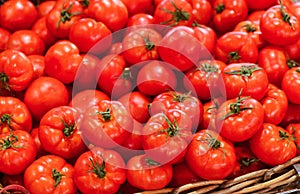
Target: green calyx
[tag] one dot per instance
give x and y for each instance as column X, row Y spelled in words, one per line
column 178, row 15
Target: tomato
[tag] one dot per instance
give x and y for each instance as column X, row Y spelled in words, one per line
column 152, row 80
column 134, row 141
column 279, row 26
column 62, row 61
column 38, row 64
column 45, row 7
column 17, row 15
column 138, row 6
column 228, row 13
column 260, row 5
column 274, row 60
column 273, row 145
column 255, row 16
column 99, row 171
column 210, row 110
column 39, row 148
column 234, row 46
column 140, row 19
column 147, row 174
column 166, row 136
column 290, row 84
column 43, row 94
column 87, row 33
column 140, row 44
column 18, row 151
column 294, row 129
column 16, row 70
column 205, row 79
column 292, row 115
column 107, row 124
column 293, row 50
column 50, row 174
column 4, row 36
column 62, row 124
column 14, row 115
column 137, row 105
column 202, row 11
column 210, row 156
column 183, row 175
column 174, row 13
column 114, row 76
column 62, row 17
column 207, row 37
column 113, row 13
column 240, row 118
column 275, row 104
column 27, row 42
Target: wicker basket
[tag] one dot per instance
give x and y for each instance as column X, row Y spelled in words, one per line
column 282, row 179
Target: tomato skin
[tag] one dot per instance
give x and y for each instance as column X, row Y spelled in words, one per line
column 202, row 11
column 290, row 84
column 87, row 179
column 14, row 115
column 210, row 109
column 43, row 94
column 260, row 5
column 293, row 50
column 62, row 61
column 255, row 16
column 38, row 177
column 277, row 31
column 292, row 115
column 275, row 104
column 39, row 148
column 4, row 36
column 17, row 15
column 183, row 175
column 140, row 19
column 38, row 64
column 18, row 69
column 19, row 154
column 294, row 129
column 138, row 6
column 145, row 174
column 273, row 145
column 45, row 7
column 207, row 162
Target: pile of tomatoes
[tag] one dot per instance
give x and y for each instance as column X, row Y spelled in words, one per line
column 131, row 95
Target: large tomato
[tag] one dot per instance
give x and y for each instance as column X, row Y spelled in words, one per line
column 140, row 19
column 38, row 64
column 45, row 7
column 17, row 151
column 206, row 37
column 4, row 36
column 202, row 11
column 292, row 115
column 260, row 5
column 210, row 156
column 290, row 85
column 182, row 175
column 138, row 6
column 294, row 129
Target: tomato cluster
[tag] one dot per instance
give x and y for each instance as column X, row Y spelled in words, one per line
column 130, row 95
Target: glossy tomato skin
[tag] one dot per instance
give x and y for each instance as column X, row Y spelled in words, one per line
column 207, row 37
column 146, row 174
column 38, row 64
column 50, row 174
column 183, row 175
column 140, row 19
column 290, row 84
column 260, row 5
column 17, row 153
column 138, row 6
column 210, row 156
column 4, row 36
column 62, row 123
column 45, row 7
column 202, row 11
column 276, row 30
column 294, row 130
column 273, row 145
column 43, row 94
column 292, row 115
column 293, row 50
column 17, row 15
column 39, row 148
column 275, row 104
column 14, row 115
column 99, row 171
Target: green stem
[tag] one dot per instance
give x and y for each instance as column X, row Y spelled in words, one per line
column 220, row 8
column 98, row 169
column 151, row 162
column 105, row 115
column 245, row 71
column 285, row 17
column 56, row 175
column 9, row 142
column 178, row 15
column 68, row 128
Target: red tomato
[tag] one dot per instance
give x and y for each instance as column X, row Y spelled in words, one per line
column 45, row 7
column 255, row 16
column 202, row 11
column 17, row 151
column 273, row 145
column 4, row 36
column 275, row 104
column 140, row 19
column 247, row 76
column 50, row 174
column 210, row 156
column 62, row 125
column 38, row 64
column 43, row 94
column 228, row 13
column 292, row 115
column 235, row 47
column 134, row 141
column 138, row 6
column 260, row 5
column 99, row 171
column 147, row 174
column 207, row 37
column 39, row 148
column 183, row 175
column 62, row 61
column 290, row 84
column 240, row 118
column 16, row 70
column 14, row 115
column 294, row 129
column 90, row 36
column 293, row 50
column 17, row 15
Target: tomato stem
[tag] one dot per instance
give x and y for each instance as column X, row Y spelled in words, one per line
column 172, row 129
column 285, row 17
column 250, row 28
column 220, row 8
column 245, row 70
column 149, row 45
column 234, row 55
column 245, row 162
column 291, row 63
column 298, row 70
column 151, row 162
column 98, row 169
column 56, row 175
column 212, row 142
column 84, row 3
column 6, row 119
column 66, row 15
column 105, row 115
column 68, row 128
column 178, row 15
column 283, row 135
column 180, row 97
column 9, row 142
column 4, row 79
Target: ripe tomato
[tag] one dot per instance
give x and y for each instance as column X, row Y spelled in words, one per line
column 62, row 61
column 39, row 148
column 99, row 171
column 210, row 156
column 134, row 141
column 228, row 13
column 260, row 5
column 27, row 42
column 45, row 7
column 290, row 84
column 17, row 151
column 62, row 124
column 207, row 37
column 14, row 115
column 138, row 6
column 16, row 70
column 38, row 64
column 17, row 15
column 202, row 11
column 234, row 46
column 293, row 50
column 86, row 34
column 275, row 104
column 140, row 19
column 107, row 124
column 4, row 36
column 240, row 118
column 147, row 174
column 273, row 145
column 43, row 94
column 255, row 16
column 50, row 174
column 183, row 175
column 292, row 115
column 294, row 130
